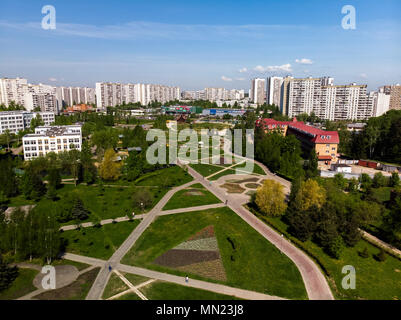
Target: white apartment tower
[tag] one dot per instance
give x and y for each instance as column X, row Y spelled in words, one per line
column 258, row 91
column 274, row 87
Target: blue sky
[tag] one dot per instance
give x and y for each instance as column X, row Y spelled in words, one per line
column 195, row 44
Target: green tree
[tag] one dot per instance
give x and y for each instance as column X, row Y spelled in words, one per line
column 270, row 198
column 7, row 275
column 110, row 169
column 394, row 180
column 379, row 180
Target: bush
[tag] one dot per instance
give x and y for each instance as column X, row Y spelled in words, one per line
column 381, row 256
column 364, row 253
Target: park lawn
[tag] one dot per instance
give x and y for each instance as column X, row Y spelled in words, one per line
column 374, row 280
column 114, row 286
column 98, row 242
column 78, row 290
column 182, row 199
column 129, row 296
column 253, row 264
column 19, row 201
column 206, row 169
column 21, row 286
column 160, row 290
column 63, row 262
column 256, row 169
column 168, row 177
column 222, row 174
column 113, row 203
column 134, row 278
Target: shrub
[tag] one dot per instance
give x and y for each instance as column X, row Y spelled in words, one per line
column 364, row 253
column 381, row 256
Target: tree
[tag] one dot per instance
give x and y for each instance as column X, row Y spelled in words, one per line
column 366, row 181
column 310, row 194
column 340, row 181
column 79, row 212
column 311, row 168
column 270, row 198
column 379, row 180
column 142, row 198
column 7, row 275
column 36, row 122
column 8, row 179
column 32, row 185
column 54, row 178
column 394, row 180
column 109, row 169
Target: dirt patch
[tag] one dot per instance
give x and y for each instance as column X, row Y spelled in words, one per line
column 74, row 291
column 232, row 188
column 194, row 193
column 178, row 258
column 247, row 180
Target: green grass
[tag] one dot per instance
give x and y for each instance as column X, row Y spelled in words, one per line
column 114, row 286
column 21, row 286
column 160, row 290
column 206, row 169
column 374, row 280
column 222, row 174
column 256, row 168
column 98, row 242
column 254, row 264
column 135, row 279
column 168, row 177
column 63, row 262
column 129, row 296
column 182, row 200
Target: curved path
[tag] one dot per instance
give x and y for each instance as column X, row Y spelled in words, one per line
column 315, row 282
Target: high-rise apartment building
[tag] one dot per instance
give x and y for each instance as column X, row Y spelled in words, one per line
column 258, row 91
column 69, row 96
column 30, row 96
column 274, row 88
column 381, row 103
column 112, row 94
column 394, row 92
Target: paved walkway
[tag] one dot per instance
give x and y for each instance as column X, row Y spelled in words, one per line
column 371, row 238
column 315, row 282
column 103, row 222
column 100, row 283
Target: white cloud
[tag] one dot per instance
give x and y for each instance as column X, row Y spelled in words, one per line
column 363, row 75
column 242, row 70
column 224, row 78
column 52, row 79
column 284, row 67
column 304, row 61
column 240, row 79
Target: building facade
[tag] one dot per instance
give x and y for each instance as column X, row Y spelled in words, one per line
column 394, row 92
column 49, row 139
column 257, row 93
column 15, row 121
column 325, row 143
column 274, row 87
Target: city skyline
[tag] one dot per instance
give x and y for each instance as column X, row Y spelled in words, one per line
column 131, row 42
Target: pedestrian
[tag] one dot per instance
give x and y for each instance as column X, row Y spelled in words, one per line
column 109, row 268
column 226, row 201
column 186, row 279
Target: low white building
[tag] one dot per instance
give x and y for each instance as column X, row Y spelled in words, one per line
column 341, row 168
column 15, row 121
column 55, row 139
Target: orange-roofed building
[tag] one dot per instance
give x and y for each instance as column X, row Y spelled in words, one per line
column 79, row 108
column 324, row 142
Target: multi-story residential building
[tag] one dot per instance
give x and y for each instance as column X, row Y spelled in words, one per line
column 274, row 88
column 12, row 90
column 112, row 94
column 395, row 95
column 381, row 103
column 30, row 96
column 257, row 93
column 55, row 139
column 326, row 100
column 69, row 96
column 325, row 143
column 15, row 121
